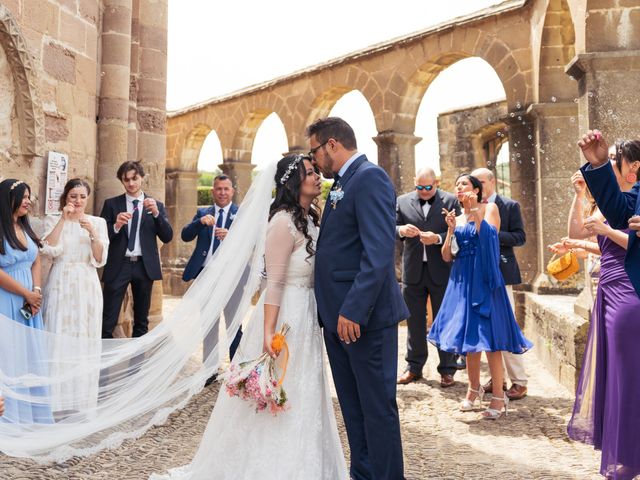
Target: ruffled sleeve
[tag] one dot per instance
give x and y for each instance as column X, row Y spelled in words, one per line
column 53, row 251
column 100, row 225
column 486, row 269
column 280, row 244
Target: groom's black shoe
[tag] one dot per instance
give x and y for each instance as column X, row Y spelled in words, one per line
column 408, row 377
column 211, row 380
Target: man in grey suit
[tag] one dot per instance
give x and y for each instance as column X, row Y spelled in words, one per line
column 421, row 226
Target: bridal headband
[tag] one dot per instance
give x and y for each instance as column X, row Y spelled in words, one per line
column 15, row 184
column 292, row 166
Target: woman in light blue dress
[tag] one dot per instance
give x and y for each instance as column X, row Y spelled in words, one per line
column 476, row 315
column 20, row 301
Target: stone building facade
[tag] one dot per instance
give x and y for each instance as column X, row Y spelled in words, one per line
column 86, row 78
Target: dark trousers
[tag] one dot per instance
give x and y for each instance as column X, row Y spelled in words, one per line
column 364, row 374
column 415, row 296
column 131, row 273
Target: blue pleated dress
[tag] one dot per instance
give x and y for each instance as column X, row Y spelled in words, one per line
column 29, row 354
column 476, row 315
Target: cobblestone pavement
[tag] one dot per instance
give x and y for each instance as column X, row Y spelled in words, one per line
column 438, row 440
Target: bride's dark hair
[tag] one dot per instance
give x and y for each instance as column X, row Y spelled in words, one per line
column 290, row 174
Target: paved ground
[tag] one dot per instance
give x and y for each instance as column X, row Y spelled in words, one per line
column 439, row 441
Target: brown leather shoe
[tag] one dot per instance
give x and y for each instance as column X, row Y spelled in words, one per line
column 447, row 380
column 516, row 392
column 408, row 377
column 488, row 387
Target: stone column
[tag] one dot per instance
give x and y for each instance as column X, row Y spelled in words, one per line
column 556, row 159
column 151, row 114
column 181, row 201
column 397, row 155
column 605, row 83
column 240, row 174
column 133, row 80
column 522, row 170
column 113, row 112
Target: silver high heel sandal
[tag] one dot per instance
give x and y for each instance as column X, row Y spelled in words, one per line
column 492, row 413
column 468, row 405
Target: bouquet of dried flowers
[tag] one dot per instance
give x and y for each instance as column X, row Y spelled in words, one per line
column 259, row 380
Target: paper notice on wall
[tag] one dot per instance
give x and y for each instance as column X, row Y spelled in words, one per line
column 57, row 169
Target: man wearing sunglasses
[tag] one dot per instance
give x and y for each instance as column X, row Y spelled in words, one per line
column 422, row 228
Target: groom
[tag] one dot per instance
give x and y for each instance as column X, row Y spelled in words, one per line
column 359, row 300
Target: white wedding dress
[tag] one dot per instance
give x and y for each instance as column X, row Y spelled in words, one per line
column 302, row 442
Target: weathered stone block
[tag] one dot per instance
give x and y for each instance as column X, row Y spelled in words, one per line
column 41, row 15
column 86, row 76
column 90, row 10
column 59, row 62
column 72, row 31
column 55, row 128
column 152, row 121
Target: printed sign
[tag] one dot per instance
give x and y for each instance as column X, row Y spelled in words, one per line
column 57, row 169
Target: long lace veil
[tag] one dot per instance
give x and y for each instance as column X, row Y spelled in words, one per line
column 136, row 383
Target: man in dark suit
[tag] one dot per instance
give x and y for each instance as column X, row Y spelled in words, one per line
column 422, row 228
column 511, row 235
column 210, row 226
column 134, row 222
column 621, row 209
column 359, row 299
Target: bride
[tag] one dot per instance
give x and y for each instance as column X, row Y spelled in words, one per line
column 303, row 441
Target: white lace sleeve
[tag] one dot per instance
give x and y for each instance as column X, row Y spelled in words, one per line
column 280, row 243
column 50, row 221
column 101, row 232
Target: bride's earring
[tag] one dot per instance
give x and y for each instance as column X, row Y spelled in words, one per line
column 631, row 177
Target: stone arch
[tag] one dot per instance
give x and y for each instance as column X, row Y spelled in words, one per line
column 192, row 146
column 28, row 107
column 556, row 50
column 510, row 63
column 245, row 135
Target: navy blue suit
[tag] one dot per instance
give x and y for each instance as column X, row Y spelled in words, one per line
column 355, row 277
column 617, row 207
column 205, row 237
column 195, row 265
column 511, row 235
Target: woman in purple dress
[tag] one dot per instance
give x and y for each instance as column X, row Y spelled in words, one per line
column 606, row 412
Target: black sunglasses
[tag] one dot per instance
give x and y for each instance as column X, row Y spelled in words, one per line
column 428, row 188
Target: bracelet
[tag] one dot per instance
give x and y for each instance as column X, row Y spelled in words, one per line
column 91, row 237
column 474, row 209
column 37, row 289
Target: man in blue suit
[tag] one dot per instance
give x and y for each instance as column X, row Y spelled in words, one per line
column 210, row 225
column 621, row 209
column 359, row 299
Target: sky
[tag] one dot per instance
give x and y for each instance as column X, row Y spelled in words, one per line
column 218, row 47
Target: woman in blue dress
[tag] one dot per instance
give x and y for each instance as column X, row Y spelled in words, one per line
column 476, row 315
column 20, row 301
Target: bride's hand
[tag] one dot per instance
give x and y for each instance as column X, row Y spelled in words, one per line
column 266, row 346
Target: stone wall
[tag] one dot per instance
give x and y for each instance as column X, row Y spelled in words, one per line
column 86, row 78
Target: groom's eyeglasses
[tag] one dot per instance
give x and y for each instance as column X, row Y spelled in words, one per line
column 428, row 188
column 312, row 152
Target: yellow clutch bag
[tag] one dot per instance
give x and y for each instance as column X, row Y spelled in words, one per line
column 564, row 266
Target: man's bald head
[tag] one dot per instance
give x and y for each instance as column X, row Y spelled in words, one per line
column 426, row 177
column 487, row 179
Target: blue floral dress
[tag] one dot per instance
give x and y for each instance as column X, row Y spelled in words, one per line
column 28, row 355
column 476, row 315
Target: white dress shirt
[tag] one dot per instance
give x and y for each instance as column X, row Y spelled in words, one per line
column 137, row 250
column 224, row 211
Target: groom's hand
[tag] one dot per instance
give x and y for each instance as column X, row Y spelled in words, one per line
column 348, row 331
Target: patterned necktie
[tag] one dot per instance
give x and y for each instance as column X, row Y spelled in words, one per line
column 219, row 224
column 134, row 226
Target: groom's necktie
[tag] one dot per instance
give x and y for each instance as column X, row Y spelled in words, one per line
column 219, row 224
column 336, row 182
column 134, row 226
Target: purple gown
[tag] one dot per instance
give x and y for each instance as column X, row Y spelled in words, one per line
column 606, row 412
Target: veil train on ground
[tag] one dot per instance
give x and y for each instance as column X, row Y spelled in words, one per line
column 138, row 382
